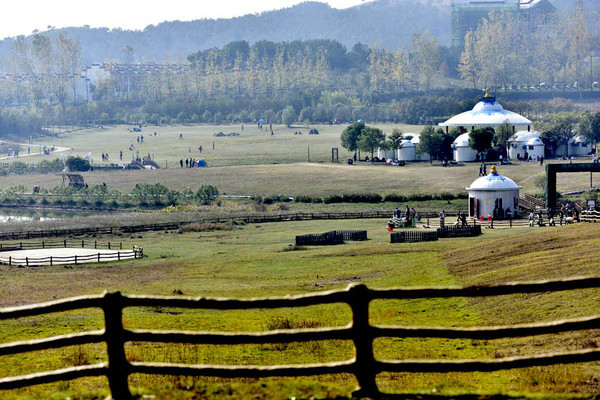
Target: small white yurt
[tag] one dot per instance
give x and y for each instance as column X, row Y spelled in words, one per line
column 387, row 154
column 579, row 146
column 461, row 149
column 416, row 139
column 493, row 192
column 523, row 141
column 407, row 152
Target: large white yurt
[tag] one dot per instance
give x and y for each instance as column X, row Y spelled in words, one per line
column 407, row 152
column 526, row 141
column 488, row 112
column 461, row 149
column 493, row 192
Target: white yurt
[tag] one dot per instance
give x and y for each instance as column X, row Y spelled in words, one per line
column 416, row 139
column 579, row 146
column 407, row 152
column 488, row 112
column 526, row 141
column 493, row 192
column 387, row 154
column 461, row 149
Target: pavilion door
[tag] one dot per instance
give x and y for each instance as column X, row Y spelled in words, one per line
column 473, row 207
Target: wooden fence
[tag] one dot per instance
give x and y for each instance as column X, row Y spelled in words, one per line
column 363, row 366
column 413, row 236
column 331, row 238
column 459, row 231
column 589, row 216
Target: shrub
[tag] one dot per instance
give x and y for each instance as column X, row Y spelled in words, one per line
column 333, row 199
column 206, row 194
column 302, row 198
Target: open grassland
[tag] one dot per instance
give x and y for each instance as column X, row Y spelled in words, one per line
column 312, row 178
column 254, row 260
column 257, row 163
column 251, row 147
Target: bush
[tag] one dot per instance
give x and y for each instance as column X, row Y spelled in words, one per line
column 333, row 199
column 302, row 198
column 77, row 164
column 206, row 194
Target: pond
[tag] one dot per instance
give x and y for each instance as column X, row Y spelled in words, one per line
column 29, row 215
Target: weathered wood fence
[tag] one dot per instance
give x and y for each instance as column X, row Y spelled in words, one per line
column 413, row 236
column 459, row 231
column 363, row 366
column 331, row 238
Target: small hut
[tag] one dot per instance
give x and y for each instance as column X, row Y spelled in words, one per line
column 461, row 149
column 526, row 141
column 490, row 194
column 407, row 152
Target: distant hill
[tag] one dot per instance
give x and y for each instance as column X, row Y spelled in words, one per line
column 384, row 23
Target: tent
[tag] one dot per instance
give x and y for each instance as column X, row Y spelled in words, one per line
column 201, row 163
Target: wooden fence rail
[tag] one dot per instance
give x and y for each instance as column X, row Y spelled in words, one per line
column 364, row 365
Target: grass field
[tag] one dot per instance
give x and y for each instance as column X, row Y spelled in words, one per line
column 257, row 163
column 251, row 261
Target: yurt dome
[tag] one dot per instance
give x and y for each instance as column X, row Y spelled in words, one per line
column 524, row 136
column 461, row 149
column 493, row 195
column 462, row 140
column 488, row 112
column 535, row 142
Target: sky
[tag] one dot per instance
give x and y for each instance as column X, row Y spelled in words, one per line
column 22, row 17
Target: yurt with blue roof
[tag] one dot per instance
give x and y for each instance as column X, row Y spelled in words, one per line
column 489, row 194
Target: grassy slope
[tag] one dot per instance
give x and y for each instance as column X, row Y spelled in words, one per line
column 250, row 261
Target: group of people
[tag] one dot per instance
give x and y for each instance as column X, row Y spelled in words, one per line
column 500, row 213
column 189, row 163
column 406, row 219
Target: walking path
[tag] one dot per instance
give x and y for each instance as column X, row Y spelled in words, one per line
column 57, row 149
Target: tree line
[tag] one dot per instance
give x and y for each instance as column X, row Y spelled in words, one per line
column 490, row 143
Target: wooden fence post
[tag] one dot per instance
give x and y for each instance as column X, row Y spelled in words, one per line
column 82, row 243
column 118, row 256
column 109, row 245
column 118, row 366
column 75, row 259
column 50, row 260
column 27, row 261
column 98, row 257
column 365, row 366
column 120, row 245
column 9, row 260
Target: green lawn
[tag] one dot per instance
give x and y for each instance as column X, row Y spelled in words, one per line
column 250, row 261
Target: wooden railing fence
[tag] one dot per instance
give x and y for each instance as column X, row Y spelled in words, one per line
column 413, row 236
column 364, row 365
column 589, row 216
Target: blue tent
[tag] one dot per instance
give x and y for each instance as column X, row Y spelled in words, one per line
column 201, row 163
column 262, row 121
column 361, row 120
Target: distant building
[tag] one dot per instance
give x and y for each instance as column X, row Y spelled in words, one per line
column 467, row 14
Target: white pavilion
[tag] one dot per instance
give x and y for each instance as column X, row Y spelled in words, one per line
column 488, row 112
column 493, row 192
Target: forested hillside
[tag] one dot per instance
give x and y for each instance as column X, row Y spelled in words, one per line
column 385, row 23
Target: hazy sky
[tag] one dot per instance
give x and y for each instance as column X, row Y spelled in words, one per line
column 21, row 17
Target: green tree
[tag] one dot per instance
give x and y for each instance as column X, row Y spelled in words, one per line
column 396, row 139
column 430, row 142
column 351, row 135
column 480, row 139
column 289, row 116
column 371, row 139
column 206, row 194
column 76, row 163
column 589, row 127
column 501, row 136
column 557, row 131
